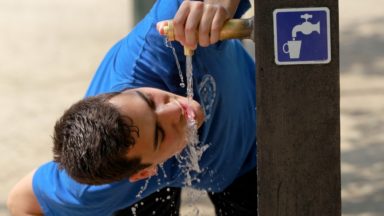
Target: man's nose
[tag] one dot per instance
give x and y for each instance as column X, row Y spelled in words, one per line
column 169, row 112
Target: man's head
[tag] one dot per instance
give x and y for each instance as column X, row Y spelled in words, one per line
column 122, row 135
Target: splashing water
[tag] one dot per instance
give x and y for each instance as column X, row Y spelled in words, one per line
column 133, row 209
column 169, row 45
column 162, row 169
column 188, row 162
column 143, row 188
column 193, row 151
column 191, row 198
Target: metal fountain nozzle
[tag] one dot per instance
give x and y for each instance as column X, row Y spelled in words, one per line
column 233, row 28
column 306, row 27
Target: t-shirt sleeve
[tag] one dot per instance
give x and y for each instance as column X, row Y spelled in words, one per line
column 58, row 194
column 139, row 60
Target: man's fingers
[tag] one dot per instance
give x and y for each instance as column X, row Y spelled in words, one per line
column 198, row 22
column 217, row 24
column 205, row 25
column 192, row 24
column 179, row 21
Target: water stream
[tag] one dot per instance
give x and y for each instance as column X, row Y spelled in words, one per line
column 194, row 151
column 169, row 45
column 188, row 162
column 189, row 73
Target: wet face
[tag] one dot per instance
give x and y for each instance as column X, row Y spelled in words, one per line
column 161, row 118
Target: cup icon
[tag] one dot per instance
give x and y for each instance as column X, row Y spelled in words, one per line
column 293, row 48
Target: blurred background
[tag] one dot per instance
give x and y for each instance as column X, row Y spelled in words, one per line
column 49, row 50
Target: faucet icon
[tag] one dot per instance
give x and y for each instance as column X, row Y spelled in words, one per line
column 306, row 27
column 293, row 47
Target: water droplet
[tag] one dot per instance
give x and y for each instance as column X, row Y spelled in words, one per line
column 143, row 188
column 133, row 209
column 169, row 44
column 162, row 169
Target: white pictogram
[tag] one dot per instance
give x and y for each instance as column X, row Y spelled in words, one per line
column 292, row 47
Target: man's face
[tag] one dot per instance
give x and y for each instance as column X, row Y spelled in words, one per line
column 161, row 118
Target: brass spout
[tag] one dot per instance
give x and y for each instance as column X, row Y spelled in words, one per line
column 166, row 28
column 233, row 28
column 188, row 51
column 237, row 28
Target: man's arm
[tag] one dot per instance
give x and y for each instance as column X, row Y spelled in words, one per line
column 21, row 200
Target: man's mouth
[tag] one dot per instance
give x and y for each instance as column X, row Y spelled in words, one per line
column 186, row 110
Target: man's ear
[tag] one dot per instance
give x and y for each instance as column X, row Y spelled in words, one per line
column 143, row 174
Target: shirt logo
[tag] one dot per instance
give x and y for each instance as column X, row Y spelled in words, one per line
column 207, row 92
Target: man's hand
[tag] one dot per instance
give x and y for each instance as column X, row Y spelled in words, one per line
column 200, row 23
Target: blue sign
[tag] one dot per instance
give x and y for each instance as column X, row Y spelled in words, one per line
column 302, row 36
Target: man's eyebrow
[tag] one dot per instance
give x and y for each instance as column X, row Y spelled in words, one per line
column 148, row 100
column 151, row 104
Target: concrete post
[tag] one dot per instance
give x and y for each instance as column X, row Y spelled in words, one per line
column 298, row 122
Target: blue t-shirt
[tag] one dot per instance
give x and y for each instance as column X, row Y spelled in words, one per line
column 224, row 84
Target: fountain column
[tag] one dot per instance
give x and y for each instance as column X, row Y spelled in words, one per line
column 298, row 122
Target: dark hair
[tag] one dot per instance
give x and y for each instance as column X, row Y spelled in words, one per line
column 91, row 142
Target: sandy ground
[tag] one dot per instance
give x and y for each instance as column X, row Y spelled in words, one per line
column 50, row 48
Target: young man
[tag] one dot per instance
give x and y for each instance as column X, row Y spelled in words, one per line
column 110, row 145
